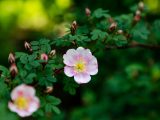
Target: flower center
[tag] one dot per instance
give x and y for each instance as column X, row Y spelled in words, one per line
column 21, row 102
column 80, row 67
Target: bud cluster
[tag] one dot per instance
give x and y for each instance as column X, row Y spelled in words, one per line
column 13, row 68
column 138, row 12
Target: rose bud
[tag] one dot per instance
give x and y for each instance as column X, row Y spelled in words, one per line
column 52, row 53
column 13, row 70
column 44, row 57
column 49, row 89
column 73, row 27
column 11, row 58
column 138, row 12
column 141, row 5
column 88, row 12
column 137, row 18
column 113, row 26
column 27, row 46
column 120, row 31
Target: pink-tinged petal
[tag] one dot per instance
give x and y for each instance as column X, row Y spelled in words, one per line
column 69, row 57
column 34, row 105
column 69, row 71
column 84, row 54
column 23, row 113
column 82, row 78
column 22, row 90
column 12, row 107
column 92, row 69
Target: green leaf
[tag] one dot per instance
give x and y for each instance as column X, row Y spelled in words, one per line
column 120, row 40
column 24, row 59
column 99, row 13
column 35, row 64
column 44, row 41
column 98, row 34
column 70, row 86
column 156, row 28
column 53, row 100
column 34, row 43
column 140, row 32
column 19, row 54
column 51, row 78
column 4, row 70
column 56, row 109
column 30, row 77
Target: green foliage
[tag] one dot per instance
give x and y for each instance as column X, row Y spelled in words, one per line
column 100, row 13
column 124, row 86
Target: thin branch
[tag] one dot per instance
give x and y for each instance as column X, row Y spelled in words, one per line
column 135, row 45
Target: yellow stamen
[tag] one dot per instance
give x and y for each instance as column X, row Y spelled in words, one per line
column 21, row 102
column 80, row 67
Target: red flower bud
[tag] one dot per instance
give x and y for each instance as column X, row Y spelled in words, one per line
column 73, row 27
column 137, row 18
column 11, row 58
column 44, row 57
column 88, row 12
column 13, row 70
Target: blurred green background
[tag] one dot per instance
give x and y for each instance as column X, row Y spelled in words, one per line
column 128, row 84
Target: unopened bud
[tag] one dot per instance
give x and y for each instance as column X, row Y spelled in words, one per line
column 52, row 53
column 44, row 57
column 27, row 46
column 49, row 89
column 73, row 27
column 113, row 26
column 11, row 58
column 13, row 70
column 141, row 5
column 120, row 32
column 88, row 12
column 138, row 12
column 137, row 18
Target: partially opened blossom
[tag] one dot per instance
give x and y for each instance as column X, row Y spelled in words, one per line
column 24, row 102
column 80, row 63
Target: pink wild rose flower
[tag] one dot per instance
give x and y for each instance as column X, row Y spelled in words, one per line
column 80, row 63
column 24, row 102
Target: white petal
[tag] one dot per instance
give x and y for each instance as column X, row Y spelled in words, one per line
column 82, row 78
column 70, row 57
column 69, row 71
column 80, row 48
